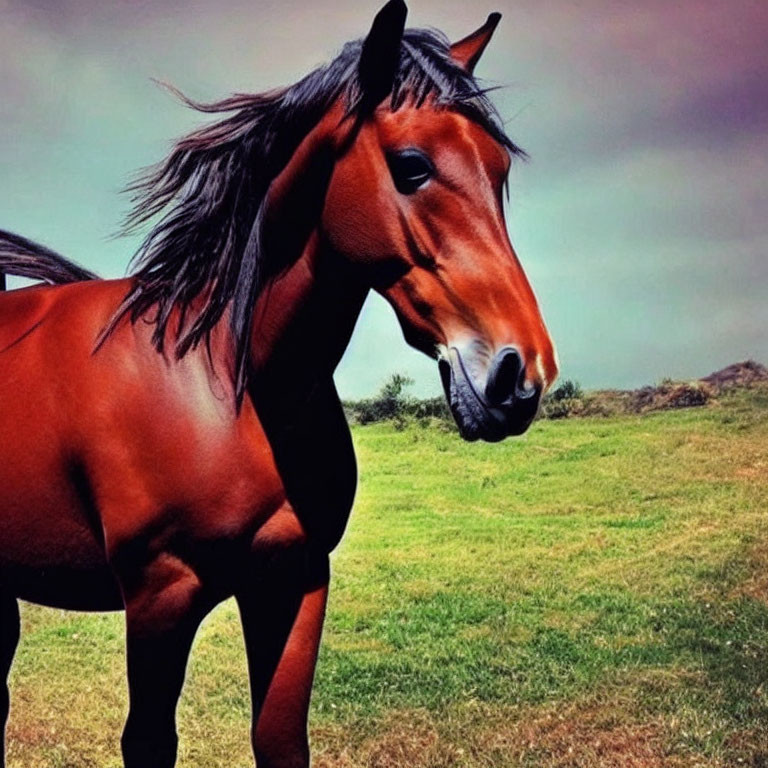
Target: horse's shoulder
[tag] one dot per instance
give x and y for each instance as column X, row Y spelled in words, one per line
column 316, row 461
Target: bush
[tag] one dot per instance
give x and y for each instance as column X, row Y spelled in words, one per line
column 562, row 402
column 394, row 404
column 672, row 394
column 430, row 408
column 557, row 409
column 390, row 403
column 568, row 390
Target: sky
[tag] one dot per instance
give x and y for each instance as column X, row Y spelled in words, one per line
column 641, row 218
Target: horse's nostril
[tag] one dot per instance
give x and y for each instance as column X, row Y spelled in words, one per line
column 504, row 377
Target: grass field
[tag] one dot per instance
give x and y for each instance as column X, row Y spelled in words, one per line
column 593, row 594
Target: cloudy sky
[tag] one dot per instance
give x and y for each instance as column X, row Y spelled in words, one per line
column 641, row 219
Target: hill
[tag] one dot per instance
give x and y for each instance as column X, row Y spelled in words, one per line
column 737, row 375
column 569, row 400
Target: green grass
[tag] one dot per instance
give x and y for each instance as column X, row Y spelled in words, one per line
column 592, row 594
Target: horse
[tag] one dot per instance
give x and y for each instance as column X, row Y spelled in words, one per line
column 174, row 438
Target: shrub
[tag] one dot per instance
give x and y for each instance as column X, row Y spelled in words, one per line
column 562, row 402
column 671, row 394
column 568, row 390
column 430, row 408
column 390, row 403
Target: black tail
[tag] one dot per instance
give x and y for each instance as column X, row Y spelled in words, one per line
column 23, row 258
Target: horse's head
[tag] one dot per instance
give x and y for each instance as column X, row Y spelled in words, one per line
column 416, row 198
column 391, row 159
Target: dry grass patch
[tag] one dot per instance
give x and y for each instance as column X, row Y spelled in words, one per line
column 594, row 736
column 756, row 585
column 402, row 740
column 594, row 733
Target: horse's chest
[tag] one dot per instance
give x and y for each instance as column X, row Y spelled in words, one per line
column 216, row 495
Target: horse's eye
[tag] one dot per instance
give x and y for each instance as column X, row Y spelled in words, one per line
column 411, row 169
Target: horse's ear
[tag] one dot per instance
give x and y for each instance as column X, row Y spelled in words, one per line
column 467, row 52
column 380, row 57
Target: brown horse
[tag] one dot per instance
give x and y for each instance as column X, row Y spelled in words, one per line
column 174, row 438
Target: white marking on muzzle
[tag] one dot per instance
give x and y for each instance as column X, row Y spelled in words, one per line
column 540, row 371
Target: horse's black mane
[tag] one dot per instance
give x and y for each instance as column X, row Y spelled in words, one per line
column 210, row 190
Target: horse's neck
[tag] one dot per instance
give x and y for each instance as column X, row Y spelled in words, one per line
column 305, row 316
column 302, row 324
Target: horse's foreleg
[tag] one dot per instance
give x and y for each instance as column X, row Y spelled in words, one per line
column 9, row 638
column 163, row 612
column 282, row 627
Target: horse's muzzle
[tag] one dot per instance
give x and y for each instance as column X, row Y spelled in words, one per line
column 505, row 405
